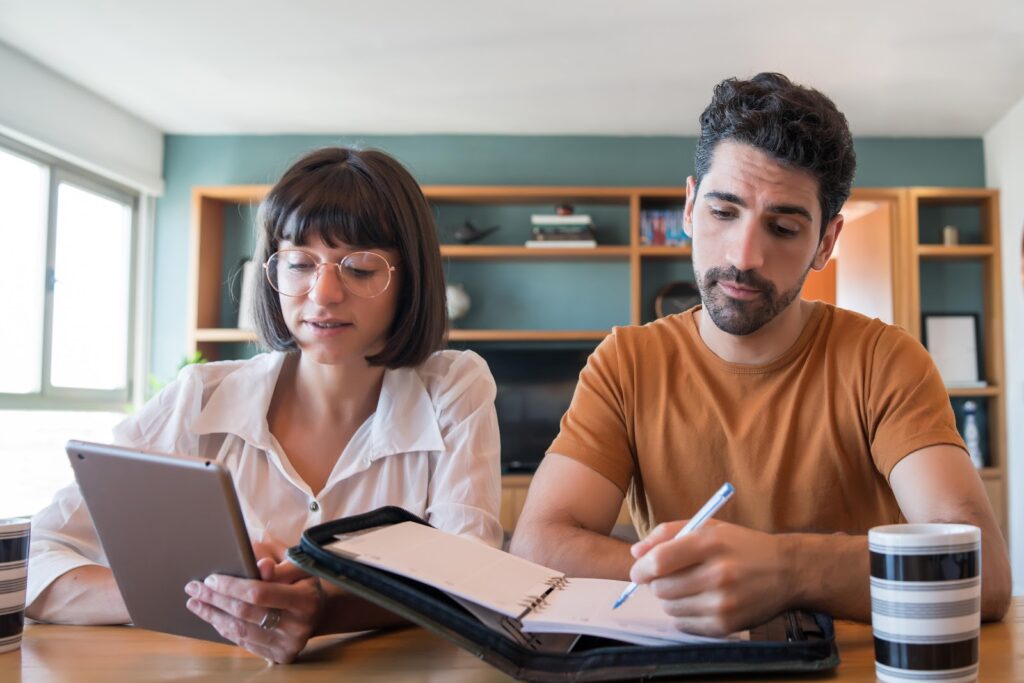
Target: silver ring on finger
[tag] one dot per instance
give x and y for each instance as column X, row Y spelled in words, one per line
column 271, row 619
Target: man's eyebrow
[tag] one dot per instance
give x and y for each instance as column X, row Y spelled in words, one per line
column 785, row 209
column 791, row 209
column 725, row 197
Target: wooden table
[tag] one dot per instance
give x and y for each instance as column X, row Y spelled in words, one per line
column 113, row 654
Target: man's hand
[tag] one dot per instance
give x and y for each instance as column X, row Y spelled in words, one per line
column 717, row 580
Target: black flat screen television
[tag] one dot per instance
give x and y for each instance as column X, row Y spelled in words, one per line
column 535, row 386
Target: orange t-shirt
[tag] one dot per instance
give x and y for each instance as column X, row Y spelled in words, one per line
column 808, row 440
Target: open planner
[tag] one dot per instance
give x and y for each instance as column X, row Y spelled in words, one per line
column 509, row 593
column 533, row 622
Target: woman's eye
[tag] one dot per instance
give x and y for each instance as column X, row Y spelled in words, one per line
column 299, row 267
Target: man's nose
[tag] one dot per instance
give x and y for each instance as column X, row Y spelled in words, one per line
column 746, row 246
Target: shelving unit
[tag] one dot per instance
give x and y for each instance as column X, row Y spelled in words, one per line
column 964, row 278
column 641, row 270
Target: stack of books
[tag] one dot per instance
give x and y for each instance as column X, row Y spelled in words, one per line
column 662, row 227
column 555, row 231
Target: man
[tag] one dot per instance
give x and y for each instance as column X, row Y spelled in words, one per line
column 826, row 422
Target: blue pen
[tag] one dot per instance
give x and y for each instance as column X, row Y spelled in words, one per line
column 704, row 514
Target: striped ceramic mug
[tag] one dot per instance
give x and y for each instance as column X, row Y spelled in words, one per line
column 925, row 601
column 14, row 535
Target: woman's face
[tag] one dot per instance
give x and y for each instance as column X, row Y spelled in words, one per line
column 330, row 324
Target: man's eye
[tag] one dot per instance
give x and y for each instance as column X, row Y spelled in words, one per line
column 719, row 213
column 783, row 231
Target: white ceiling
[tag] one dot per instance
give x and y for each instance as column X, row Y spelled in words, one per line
column 646, row 67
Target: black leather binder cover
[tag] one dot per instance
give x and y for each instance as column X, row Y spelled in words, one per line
column 792, row 648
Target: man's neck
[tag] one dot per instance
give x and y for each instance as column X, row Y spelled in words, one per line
column 762, row 346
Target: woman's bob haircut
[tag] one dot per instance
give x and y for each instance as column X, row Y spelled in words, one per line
column 364, row 200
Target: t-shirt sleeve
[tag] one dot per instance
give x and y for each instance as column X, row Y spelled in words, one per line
column 908, row 406
column 595, row 430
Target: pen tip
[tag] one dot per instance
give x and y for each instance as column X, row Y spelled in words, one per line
column 617, row 603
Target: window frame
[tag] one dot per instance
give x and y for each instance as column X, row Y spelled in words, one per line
column 50, row 397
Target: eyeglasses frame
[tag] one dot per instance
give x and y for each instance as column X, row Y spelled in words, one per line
column 336, row 264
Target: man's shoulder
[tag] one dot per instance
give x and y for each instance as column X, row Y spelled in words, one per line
column 849, row 331
column 668, row 335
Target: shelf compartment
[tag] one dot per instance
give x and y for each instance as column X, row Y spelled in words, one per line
column 470, row 252
column 666, row 252
column 977, row 392
column 963, row 251
column 527, row 335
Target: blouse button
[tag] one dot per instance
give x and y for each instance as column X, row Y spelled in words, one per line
column 314, row 506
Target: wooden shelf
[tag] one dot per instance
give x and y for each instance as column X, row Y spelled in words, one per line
column 224, row 334
column 666, row 252
column 470, row 252
column 963, row 251
column 527, row 335
column 991, row 473
column 968, row 392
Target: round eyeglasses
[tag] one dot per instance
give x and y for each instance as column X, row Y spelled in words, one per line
column 294, row 272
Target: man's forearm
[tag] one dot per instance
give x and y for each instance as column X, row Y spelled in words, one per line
column 573, row 550
column 830, row 573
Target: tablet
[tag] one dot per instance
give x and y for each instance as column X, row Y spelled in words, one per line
column 163, row 520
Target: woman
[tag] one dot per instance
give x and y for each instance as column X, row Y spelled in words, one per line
column 355, row 407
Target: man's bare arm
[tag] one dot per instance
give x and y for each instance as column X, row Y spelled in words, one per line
column 569, row 512
column 939, row 484
column 726, row 577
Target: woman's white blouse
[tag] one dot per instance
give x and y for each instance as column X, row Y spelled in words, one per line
column 431, row 447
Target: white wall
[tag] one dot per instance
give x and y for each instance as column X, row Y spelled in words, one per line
column 48, row 112
column 1004, row 169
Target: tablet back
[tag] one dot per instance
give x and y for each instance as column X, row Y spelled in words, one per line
column 162, row 520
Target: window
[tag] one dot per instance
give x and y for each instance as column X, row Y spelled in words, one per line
column 66, row 280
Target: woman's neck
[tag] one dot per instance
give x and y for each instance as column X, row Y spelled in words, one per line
column 335, row 393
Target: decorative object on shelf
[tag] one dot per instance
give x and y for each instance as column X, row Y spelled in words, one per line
column 972, row 435
column 250, row 274
column 676, row 297
column 469, row 233
column 950, row 236
column 562, row 229
column 457, row 301
column 663, row 227
column 952, row 340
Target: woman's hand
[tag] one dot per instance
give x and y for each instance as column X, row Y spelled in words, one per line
column 272, row 617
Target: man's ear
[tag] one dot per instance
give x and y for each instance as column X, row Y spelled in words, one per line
column 691, row 194
column 828, row 242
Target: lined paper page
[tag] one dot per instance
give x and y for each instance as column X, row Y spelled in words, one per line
column 585, row 606
column 460, row 566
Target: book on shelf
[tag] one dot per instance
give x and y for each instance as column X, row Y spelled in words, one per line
column 581, row 219
column 559, row 244
column 567, row 233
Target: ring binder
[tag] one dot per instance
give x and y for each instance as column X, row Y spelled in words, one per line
column 555, row 658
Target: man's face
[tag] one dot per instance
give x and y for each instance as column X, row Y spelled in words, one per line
column 755, row 225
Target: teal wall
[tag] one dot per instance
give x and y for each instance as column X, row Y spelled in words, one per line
column 484, row 160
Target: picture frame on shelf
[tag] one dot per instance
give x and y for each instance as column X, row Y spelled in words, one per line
column 952, row 341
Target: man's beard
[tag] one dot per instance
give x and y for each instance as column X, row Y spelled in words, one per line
column 742, row 317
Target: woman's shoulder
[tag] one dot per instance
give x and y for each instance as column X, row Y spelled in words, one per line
column 451, row 373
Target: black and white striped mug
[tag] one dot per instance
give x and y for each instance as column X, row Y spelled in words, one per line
column 14, row 539
column 925, row 601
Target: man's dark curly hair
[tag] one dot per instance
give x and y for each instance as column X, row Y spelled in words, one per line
column 797, row 126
